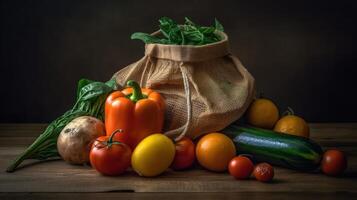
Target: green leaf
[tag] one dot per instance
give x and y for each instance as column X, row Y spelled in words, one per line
column 93, row 90
column 194, row 36
column 189, row 22
column 171, row 30
column 208, row 40
column 147, row 38
column 81, row 83
column 207, row 30
column 112, row 83
column 166, row 26
column 175, row 35
column 218, row 25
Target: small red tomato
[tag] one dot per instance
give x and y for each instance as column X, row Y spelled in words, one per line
column 263, row 172
column 333, row 162
column 110, row 157
column 185, row 154
column 240, row 167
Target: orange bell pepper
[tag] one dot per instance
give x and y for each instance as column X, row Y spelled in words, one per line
column 138, row 112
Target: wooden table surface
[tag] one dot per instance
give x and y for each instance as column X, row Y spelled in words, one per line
column 57, row 180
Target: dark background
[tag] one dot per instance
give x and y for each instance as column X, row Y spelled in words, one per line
column 302, row 53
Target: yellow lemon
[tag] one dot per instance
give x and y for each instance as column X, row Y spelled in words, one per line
column 263, row 113
column 293, row 125
column 153, row 155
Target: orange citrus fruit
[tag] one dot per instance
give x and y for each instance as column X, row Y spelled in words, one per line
column 263, row 113
column 293, row 125
column 214, row 151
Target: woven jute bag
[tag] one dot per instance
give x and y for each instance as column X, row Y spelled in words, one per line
column 205, row 87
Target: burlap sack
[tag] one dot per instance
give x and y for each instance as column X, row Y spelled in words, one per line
column 205, row 87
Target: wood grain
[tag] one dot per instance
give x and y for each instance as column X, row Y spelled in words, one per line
column 57, row 176
column 180, row 196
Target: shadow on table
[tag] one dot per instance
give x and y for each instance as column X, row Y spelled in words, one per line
column 30, row 163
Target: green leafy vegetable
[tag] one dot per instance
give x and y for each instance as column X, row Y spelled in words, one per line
column 90, row 101
column 187, row 34
column 147, row 38
column 218, row 25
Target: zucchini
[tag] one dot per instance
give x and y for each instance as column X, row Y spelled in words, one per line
column 275, row 148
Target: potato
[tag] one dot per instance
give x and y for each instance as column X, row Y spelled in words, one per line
column 76, row 138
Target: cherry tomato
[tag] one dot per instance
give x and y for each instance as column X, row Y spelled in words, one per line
column 240, row 167
column 333, row 162
column 185, row 154
column 263, row 172
column 110, row 157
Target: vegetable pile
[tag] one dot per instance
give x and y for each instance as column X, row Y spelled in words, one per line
column 113, row 130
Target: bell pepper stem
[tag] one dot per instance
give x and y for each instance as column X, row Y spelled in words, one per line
column 137, row 94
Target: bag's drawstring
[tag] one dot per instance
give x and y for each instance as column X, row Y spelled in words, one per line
column 183, row 129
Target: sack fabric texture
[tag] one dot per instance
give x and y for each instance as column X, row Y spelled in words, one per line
column 205, row 87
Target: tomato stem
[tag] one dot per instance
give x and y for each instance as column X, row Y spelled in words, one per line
column 110, row 141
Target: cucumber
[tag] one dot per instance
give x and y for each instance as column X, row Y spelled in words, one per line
column 275, row 148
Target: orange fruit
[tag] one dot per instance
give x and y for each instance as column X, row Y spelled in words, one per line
column 293, row 125
column 263, row 113
column 214, row 151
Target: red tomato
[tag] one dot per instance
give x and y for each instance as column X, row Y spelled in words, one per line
column 240, row 167
column 110, row 157
column 333, row 162
column 185, row 154
column 264, row 172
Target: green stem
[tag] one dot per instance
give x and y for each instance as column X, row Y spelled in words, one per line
column 137, row 94
column 110, row 141
column 289, row 111
column 28, row 153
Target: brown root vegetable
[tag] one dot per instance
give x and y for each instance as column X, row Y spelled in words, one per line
column 76, row 138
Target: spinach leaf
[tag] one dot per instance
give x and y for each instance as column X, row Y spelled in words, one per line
column 147, row 38
column 188, row 22
column 112, row 83
column 92, row 90
column 218, row 25
column 81, row 83
column 166, row 24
